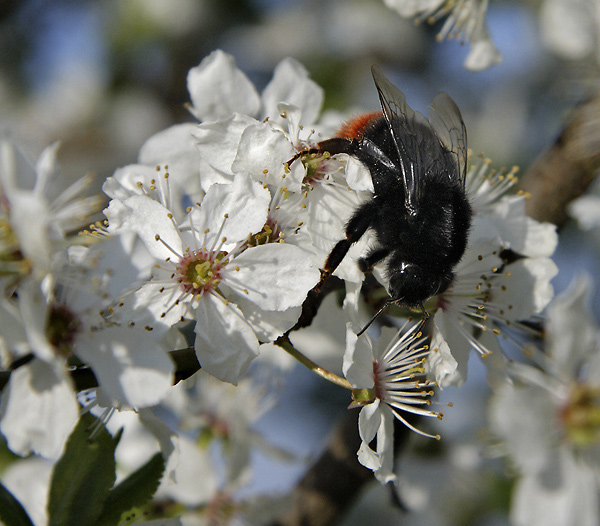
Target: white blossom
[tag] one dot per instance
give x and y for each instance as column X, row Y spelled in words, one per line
column 388, row 381
column 465, row 19
column 208, row 271
column 548, row 419
column 503, row 278
column 37, row 211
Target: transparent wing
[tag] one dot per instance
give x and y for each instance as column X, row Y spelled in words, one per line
column 400, row 119
column 448, row 125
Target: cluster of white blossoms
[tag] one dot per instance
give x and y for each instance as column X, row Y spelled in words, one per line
column 212, row 243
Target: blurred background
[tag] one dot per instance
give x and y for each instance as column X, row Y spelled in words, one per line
column 103, row 76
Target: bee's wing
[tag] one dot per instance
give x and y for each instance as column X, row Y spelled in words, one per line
column 400, row 119
column 448, row 125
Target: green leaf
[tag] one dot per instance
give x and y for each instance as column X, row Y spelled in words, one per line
column 83, row 476
column 11, row 511
column 134, row 491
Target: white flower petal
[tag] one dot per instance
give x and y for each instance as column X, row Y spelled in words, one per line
column 357, row 176
column 262, row 152
column 525, row 289
column 30, row 221
column 267, row 324
column 123, row 183
column 367, row 457
column 131, row 366
column 524, row 235
column 154, row 307
column 586, row 210
column 276, row 276
column 245, row 202
column 292, row 85
column 175, row 148
column 483, row 54
column 410, row 8
column 497, row 373
column 358, row 360
column 195, row 479
column 29, row 481
column 217, row 142
column 34, row 311
column 329, row 209
column 571, row 333
column 526, row 418
column 447, row 363
column 569, row 27
column 39, row 410
column 218, row 88
column 46, row 170
column 566, row 496
column 385, row 446
column 369, row 421
column 225, row 343
column 148, row 219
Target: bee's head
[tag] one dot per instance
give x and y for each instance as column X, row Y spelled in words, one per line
column 411, row 285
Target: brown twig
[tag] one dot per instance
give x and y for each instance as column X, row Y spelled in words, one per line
column 566, row 170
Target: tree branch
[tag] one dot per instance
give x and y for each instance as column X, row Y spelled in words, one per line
column 566, row 170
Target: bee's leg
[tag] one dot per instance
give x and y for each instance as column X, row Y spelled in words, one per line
column 338, row 145
column 372, row 258
column 332, row 146
column 356, row 227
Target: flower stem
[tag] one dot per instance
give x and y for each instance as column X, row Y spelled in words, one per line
column 285, row 343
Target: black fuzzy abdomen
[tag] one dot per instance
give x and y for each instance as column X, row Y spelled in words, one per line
column 435, row 237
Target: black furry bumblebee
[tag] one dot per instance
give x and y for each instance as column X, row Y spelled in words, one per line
column 419, row 211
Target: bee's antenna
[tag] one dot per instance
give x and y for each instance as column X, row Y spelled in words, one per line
column 373, row 318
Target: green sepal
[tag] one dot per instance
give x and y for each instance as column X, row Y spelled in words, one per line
column 362, row 397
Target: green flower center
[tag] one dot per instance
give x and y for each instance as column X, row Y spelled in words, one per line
column 270, row 233
column 201, row 271
column 581, row 416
